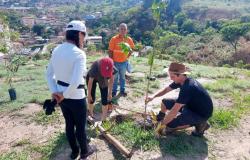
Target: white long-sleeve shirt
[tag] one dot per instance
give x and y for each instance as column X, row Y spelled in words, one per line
column 67, row 64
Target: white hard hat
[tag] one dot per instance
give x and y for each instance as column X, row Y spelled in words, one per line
column 76, row 26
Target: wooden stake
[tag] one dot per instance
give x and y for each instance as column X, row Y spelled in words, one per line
column 112, row 139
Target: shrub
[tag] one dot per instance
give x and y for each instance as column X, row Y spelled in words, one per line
column 247, row 66
column 242, row 55
column 227, row 65
column 3, row 48
column 239, row 64
column 247, row 36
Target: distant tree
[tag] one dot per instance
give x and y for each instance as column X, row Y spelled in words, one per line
column 38, row 29
column 208, row 35
column 168, row 40
column 105, row 20
column 173, row 28
column 148, row 38
column 173, row 8
column 141, row 27
column 48, row 32
column 214, row 24
column 147, row 4
column 14, row 36
column 188, row 27
column 24, row 29
column 245, row 19
column 180, row 18
column 14, row 20
column 77, row 8
column 232, row 33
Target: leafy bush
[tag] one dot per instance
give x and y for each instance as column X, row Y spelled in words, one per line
column 12, row 65
column 227, row 65
column 247, row 66
column 188, row 27
column 173, row 28
column 208, row 34
column 247, row 36
column 242, row 55
column 180, row 18
column 3, row 48
column 239, row 64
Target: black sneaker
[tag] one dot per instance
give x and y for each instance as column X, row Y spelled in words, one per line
column 91, row 150
column 74, row 154
column 200, row 129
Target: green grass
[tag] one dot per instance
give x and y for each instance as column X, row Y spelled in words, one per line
column 43, row 119
column 224, row 119
column 29, row 83
column 137, row 138
column 236, row 90
column 15, row 156
column 227, row 87
column 200, row 71
column 22, row 142
column 31, row 86
column 228, row 118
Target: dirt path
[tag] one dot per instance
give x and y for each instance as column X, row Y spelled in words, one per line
column 233, row 144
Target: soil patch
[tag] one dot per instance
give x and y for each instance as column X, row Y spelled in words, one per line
column 18, row 126
column 233, row 144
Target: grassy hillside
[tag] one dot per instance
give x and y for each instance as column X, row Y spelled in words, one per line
column 224, row 84
column 242, row 6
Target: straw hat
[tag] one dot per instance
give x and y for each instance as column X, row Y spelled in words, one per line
column 177, row 68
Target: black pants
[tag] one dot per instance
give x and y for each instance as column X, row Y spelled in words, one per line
column 104, row 92
column 74, row 112
column 186, row 116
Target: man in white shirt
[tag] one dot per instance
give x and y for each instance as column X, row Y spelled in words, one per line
column 65, row 76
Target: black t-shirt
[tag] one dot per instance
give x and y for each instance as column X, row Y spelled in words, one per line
column 195, row 97
column 95, row 72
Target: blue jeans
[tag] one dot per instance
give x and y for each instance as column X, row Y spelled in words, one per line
column 121, row 67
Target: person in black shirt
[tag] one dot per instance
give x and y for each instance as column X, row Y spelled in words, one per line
column 102, row 72
column 193, row 104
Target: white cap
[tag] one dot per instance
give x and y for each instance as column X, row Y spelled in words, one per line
column 76, row 26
